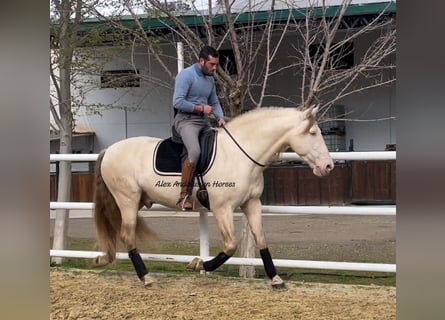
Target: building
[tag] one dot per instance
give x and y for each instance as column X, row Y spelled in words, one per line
column 138, row 106
column 132, row 93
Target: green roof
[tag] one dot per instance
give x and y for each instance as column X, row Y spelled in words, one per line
column 245, row 17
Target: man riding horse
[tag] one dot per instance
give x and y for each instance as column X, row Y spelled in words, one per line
column 195, row 99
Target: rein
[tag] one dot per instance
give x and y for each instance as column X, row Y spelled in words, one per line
column 247, row 155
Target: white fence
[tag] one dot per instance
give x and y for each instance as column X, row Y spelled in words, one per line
column 276, row 210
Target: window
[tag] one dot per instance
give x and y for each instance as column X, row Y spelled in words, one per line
column 333, row 131
column 341, row 58
column 119, row 79
column 227, row 61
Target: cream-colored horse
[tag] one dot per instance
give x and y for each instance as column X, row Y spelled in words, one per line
column 126, row 181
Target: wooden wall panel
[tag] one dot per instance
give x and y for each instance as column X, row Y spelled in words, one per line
column 82, row 187
column 52, row 188
column 393, row 170
column 297, row 185
column 335, row 188
column 308, row 187
column 350, row 182
column 373, row 181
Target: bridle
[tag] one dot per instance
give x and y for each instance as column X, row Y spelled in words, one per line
column 236, row 142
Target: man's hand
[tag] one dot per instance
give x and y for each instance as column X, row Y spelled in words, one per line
column 204, row 108
column 207, row 109
column 221, row 122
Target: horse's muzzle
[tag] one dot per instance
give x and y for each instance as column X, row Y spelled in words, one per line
column 323, row 169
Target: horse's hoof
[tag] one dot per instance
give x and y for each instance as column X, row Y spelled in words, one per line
column 101, row 261
column 197, row 264
column 148, row 281
column 278, row 283
column 280, row 286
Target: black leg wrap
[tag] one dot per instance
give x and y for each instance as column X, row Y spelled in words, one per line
column 138, row 263
column 268, row 264
column 216, row 262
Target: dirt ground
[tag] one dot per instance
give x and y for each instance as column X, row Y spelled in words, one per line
column 119, row 295
column 103, row 294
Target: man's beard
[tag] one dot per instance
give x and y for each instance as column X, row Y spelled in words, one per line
column 206, row 71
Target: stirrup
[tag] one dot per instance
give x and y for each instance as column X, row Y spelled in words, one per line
column 185, row 203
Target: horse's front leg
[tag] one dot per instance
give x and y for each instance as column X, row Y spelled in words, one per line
column 224, row 217
column 252, row 209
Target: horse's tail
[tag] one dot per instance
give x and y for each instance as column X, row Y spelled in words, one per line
column 106, row 215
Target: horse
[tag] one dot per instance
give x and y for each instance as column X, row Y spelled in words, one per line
column 126, row 181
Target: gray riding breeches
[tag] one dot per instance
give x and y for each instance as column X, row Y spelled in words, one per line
column 188, row 126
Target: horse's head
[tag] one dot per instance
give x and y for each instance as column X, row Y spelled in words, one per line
column 307, row 141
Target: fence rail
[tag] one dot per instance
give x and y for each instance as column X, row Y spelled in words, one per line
column 285, row 263
column 279, row 210
column 285, row 156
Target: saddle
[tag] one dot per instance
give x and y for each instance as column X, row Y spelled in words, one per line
column 170, row 153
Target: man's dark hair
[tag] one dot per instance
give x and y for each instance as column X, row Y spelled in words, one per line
column 207, row 51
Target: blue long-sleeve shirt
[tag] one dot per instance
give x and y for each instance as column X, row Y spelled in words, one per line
column 192, row 88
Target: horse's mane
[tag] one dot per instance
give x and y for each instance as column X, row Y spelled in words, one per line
column 261, row 113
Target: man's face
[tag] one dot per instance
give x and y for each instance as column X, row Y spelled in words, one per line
column 209, row 67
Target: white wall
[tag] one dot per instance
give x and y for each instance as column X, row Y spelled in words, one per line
column 155, row 112
column 145, row 110
column 372, row 104
column 371, row 135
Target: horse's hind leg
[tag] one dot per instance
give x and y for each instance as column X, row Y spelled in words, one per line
column 128, row 236
column 252, row 209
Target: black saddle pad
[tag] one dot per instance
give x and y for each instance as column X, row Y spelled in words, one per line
column 169, row 155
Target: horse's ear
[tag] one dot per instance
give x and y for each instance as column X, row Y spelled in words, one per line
column 310, row 112
column 315, row 110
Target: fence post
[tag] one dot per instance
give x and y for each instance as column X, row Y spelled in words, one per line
column 60, row 235
column 247, row 250
column 204, row 242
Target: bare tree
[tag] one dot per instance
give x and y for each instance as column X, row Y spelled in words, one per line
column 323, row 47
column 67, row 94
column 248, row 41
column 247, row 38
column 322, row 34
column 322, row 38
column 65, row 37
